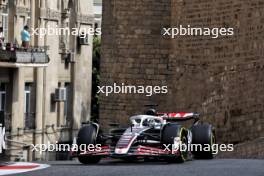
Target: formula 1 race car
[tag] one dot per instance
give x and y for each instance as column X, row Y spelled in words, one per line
column 153, row 136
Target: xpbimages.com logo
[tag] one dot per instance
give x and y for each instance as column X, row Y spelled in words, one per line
column 65, row 31
column 182, row 147
column 132, row 89
column 2, row 138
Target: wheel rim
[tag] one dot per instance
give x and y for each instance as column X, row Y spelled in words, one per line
column 184, row 154
column 212, row 141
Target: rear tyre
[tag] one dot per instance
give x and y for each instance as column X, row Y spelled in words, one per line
column 87, row 135
column 203, row 134
column 169, row 133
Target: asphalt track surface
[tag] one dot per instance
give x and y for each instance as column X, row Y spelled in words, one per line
column 216, row 167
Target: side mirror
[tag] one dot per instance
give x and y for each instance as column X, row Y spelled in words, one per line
column 131, row 127
column 151, row 112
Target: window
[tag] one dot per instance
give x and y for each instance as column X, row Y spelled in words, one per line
column 5, row 25
column 67, row 103
column 29, row 106
column 27, row 98
column 2, row 97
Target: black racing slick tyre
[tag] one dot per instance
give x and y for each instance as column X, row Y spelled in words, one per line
column 87, row 135
column 169, row 133
column 203, row 135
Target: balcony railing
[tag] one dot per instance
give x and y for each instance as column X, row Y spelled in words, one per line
column 29, row 119
column 32, row 55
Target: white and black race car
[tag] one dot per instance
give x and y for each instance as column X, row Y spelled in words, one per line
column 153, row 136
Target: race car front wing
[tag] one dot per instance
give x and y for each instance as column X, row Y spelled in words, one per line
column 140, row 150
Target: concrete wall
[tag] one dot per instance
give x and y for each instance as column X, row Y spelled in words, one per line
column 219, row 78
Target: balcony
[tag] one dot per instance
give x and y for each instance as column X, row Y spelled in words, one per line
column 13, row 56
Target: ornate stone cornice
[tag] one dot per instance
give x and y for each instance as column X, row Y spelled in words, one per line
column 24, row 11
column 85, row 19
column 50, row 14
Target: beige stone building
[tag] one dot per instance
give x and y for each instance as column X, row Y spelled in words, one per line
column 45, row 90
column 98, row 7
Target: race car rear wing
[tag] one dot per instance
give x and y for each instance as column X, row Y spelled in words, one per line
column 178, row 116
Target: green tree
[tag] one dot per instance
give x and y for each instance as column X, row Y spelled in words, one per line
column 95, row 78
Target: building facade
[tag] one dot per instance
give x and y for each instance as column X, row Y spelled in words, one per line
column 98, row 7
column 45, row 101
column 220, row 78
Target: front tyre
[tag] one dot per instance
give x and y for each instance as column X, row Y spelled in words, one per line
column 171, row 132
column 87, row 135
